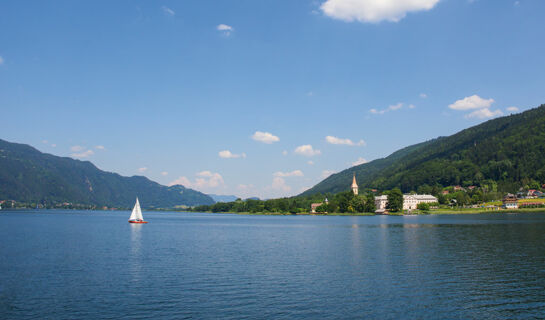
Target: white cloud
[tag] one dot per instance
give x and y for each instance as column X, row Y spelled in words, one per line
column 412, row 106
column 204, row 180
column 143, row 169
column 473, row 102
column 169, row 12
column 374, row 10
column 99, row 147
column 265, row 137
column 84, row 154
column 307, row 150
column 226, row 154
column 280, row 184
column 1, row 61
column 225, row 29
column 359, row 161
column 327, row 173
column 310, row 162
column 77, row 148
column 513, row 109
column 393, row 107
column 484, row 114
column 295, row 173
column 423, row 95
column 348, row 142
column 164, row 173
column 181, row 180
column 285, row 152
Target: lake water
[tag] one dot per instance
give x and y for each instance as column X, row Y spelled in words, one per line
column 91, row 265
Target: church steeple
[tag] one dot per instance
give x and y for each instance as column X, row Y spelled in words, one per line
column 354, row 185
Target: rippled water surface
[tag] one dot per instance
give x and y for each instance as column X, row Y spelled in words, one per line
column 91, row 265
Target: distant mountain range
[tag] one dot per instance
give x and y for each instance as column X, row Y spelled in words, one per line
column 223, row 198
column 28, row 175
column 509, row 151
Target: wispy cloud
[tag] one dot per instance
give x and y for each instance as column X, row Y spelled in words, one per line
column 143, row 169
column 484, row 114
column 280, row 184
column 423, row 95
column 327, row 173
column 295, row 173
column 167, row 11
column 374, row 11
column 393, row 107
column 359, row 161
column 265, row 137
column 204, row 180
column 225, row 29
column 100, row 147
column 347, row 142
column 307, row 150
column 226, row 154
column 164, row 173
column 513, row 109
column 80, row 152
column 84, row 154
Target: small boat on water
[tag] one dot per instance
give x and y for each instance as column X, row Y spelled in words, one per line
column 136, row 215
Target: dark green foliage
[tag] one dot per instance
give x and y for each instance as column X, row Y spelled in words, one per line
column 28, row 175
column 395, row 200
column 322, row 208
column 501, row 154
column 423, row 206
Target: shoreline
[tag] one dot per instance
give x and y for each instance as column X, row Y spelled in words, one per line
column 359, row 214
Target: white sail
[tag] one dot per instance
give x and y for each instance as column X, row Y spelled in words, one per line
column 136, row 213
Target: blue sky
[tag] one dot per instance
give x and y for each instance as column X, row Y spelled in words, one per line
column 259, row 98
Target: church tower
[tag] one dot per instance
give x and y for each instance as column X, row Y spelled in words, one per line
column 354, row 185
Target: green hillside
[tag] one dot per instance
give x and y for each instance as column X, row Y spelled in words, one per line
column 507, row 151
column 28, row 175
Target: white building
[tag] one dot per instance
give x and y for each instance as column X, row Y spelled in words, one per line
column 380, row 203
column 410, row 201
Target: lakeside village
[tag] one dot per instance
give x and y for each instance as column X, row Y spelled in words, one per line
column 394, row 201
column 426, row 200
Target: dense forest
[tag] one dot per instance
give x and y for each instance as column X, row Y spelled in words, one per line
column 506, row 153
column 342, row 202
column 30, row 176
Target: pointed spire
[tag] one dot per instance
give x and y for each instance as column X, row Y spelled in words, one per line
column 354, row 185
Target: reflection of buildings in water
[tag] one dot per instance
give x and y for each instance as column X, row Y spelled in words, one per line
column 135, row 265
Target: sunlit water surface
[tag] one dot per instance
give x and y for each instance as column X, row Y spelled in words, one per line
column 91, row 265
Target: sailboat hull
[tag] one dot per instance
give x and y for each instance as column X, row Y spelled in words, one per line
column 130, row 221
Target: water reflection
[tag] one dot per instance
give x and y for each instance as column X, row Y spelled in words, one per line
column 135, row 261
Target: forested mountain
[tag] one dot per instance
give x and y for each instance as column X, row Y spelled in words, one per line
column 28, row 175
column 508, row 152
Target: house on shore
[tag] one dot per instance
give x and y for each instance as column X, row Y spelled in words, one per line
column 313, row 206
column 410, row 201
column 510, row 201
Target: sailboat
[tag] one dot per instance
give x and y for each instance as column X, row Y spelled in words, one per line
column 136, row 215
